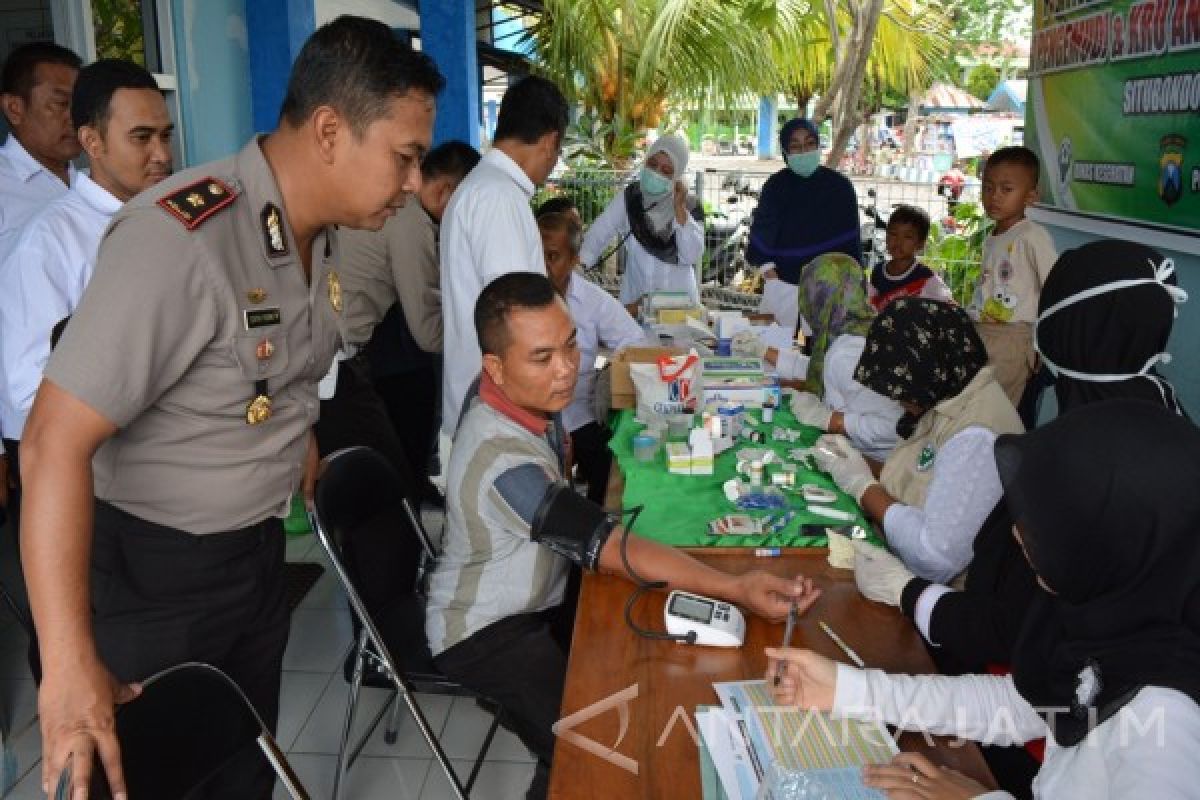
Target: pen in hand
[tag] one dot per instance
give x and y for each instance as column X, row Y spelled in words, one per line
column 787, row 642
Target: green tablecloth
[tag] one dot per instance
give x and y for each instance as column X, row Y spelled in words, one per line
column 678, row 508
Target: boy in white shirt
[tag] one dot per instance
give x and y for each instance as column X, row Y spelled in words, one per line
column 1017, row 257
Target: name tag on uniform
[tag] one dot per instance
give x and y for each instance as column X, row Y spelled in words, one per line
column 261, row 317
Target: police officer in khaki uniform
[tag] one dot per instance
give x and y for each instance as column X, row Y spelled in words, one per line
column 392, row 322
column 189, row 372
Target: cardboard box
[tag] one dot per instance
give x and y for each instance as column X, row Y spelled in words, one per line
column 623, row 393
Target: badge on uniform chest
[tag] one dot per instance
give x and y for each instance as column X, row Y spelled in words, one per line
column 261, row 317
column 335, row 291
column 926, row 458
column 258, row 410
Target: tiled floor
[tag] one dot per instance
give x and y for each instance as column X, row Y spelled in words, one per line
column 313, row 704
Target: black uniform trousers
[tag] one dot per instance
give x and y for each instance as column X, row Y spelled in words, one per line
column 593, row 459
column 521, row 663
column 161, row 596
column 355, row 415
column 413, row 403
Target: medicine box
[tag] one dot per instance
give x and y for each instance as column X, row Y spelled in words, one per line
column 679, row 458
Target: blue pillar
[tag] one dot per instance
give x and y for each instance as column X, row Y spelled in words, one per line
column 448, row 36
column 492, row 113
column 214, row 93
column 276, row 30
column 766, row 127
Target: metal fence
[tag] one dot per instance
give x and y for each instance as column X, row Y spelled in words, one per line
column 730, row 197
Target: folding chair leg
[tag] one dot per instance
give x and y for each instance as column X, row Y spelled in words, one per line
column 339, row 777
column 283, row 770
column 483, row 751
column 389, row 733
column 431, row 740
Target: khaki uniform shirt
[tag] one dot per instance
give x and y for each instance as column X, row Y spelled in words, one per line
column 198, row 294
column 398, row 263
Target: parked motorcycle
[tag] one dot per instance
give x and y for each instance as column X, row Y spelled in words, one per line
column 873, row 231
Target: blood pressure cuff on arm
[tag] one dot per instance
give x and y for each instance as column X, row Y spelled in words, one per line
column 555, row 515
column 571, row 525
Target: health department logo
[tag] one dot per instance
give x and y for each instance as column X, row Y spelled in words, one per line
column 1170, row 163
column 1066, row 155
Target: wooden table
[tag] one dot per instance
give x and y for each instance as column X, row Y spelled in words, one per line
column 654, row 680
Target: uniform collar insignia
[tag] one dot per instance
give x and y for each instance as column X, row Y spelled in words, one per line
column 273, row 233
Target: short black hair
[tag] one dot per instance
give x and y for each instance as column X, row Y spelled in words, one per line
column 356, row 66
column 452, row 159
column 531, row 108
column 91, row 99
column 1017, row 156
column 508, row 293
column 911, row 215
column 20, row 68
column 558, row 204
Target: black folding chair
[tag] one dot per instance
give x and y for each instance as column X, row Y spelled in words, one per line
column 378, row 548
column 189, row 723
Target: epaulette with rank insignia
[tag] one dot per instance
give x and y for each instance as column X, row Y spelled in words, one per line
column 198, row 201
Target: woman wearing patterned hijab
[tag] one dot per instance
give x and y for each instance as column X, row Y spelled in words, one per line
column 659, row 225
column 940, row 482
column 833, row 299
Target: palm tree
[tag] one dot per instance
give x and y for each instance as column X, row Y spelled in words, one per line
column 624, row 60
column 857, row 50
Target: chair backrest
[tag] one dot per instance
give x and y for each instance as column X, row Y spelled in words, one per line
column 189, row 723
column 363, row 517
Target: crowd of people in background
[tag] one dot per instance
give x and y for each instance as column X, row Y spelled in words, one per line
column 177, row 352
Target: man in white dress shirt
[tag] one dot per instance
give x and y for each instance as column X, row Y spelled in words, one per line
column 489, row 230
column 35, row 161
column 122, row 124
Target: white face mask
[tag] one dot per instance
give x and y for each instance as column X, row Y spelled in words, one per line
column 1161, row 273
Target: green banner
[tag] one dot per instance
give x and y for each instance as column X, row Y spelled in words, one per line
column 1114, row 108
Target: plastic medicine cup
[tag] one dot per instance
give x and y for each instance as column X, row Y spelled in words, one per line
column 645, row 447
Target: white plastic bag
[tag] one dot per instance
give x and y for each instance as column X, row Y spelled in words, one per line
column 669, row 386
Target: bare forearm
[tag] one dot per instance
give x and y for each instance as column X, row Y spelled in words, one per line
column 56, row 543
column 658, row 562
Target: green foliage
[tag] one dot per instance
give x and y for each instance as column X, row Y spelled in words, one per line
column 590, row 187
column 959, row 256
column 119, row 33
column 595, row 142
column 982, row 80
column 977, row 21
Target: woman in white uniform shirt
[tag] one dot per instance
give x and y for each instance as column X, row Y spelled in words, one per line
column 1108, row 663
column 660, row 227
column 599, row 321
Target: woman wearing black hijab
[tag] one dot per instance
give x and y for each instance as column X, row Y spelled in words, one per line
column 1108, row 662
column 1106, row 309
column 1104, row 318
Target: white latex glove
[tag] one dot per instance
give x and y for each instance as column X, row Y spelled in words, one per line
column 879, row 574
column 808, row 409
column 746, row 344
column 836, row 455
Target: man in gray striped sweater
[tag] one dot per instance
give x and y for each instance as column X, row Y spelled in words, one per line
column 515, row 527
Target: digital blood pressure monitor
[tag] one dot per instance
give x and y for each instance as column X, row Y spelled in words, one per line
column 715, row 623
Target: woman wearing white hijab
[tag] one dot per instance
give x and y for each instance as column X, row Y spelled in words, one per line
column 660, row 226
